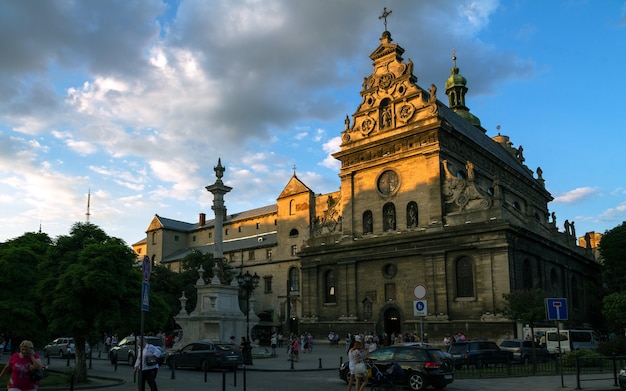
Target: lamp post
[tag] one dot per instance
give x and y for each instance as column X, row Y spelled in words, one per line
column 248, row 283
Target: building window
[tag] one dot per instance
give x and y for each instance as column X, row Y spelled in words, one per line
column 268, row 254
column 176, row 238
column 193, row 238
column 411, row 215
column 330, row 282
column 210, row 235
column 226, row 231
column 267, row 284
column 292, row 207
column 139, row 251
column 575, row 294
column 239, row 229
column 464, row 278
column 389, row 217
column 294, row 280
column 293, row 233
column 275, row 222
column 154, row 238
column 294, row 250
column 368, row 222
column 258, row 225
column 527, row 275
column 251, row 255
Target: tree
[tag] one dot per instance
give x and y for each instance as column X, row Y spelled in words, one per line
column 19, row 260
column 90, row 283
column 614, row 310
column 613, row 250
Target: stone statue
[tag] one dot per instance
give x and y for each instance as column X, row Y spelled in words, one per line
column 572, row 229
column 566, row 225
column 433, row 93
column 520, row 154
column 469, row 166
column 553, row 218
column 347, row 122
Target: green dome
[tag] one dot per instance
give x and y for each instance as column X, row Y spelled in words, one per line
column 471, row 118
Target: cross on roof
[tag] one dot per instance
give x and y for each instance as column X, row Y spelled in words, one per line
column 384, row 16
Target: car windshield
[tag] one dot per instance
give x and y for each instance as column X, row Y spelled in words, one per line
column 381, row 354
column 509, row 344
column 457, row 348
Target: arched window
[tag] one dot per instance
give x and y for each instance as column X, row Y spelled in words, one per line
column 527, row 275
column 293, row 233
column 292, row 207
column 554, row 281
column 575, row 293
column 389, row 217
column 411, row 215
column 368, row 222
column 330, row 282
column 294, row 279
column 464, row 277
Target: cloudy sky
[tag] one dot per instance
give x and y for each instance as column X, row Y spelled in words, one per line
column 135, row 101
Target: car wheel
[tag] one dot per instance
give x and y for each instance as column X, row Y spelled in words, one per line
column 60, row 355
column 205, row 366
column 416, row 381
column 131, row 360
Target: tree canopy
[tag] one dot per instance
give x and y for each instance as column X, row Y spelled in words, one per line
column 613, row 250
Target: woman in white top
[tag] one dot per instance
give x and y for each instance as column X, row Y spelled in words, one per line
column 355, row 356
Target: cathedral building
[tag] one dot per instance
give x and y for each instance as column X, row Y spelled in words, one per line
column 433, row 222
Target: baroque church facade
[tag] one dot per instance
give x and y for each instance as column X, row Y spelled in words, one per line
column 433, row 222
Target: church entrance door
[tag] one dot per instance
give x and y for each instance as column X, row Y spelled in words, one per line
column 392, row 323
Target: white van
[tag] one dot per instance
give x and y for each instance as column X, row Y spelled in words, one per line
column 572, row 340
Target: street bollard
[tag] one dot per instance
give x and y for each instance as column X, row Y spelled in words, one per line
column 291, row 363
column 68, row 359
column 320, row 363
column 173, row 368
column 235, row 376
column 244, row 377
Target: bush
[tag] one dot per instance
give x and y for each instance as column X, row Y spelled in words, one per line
column 615, row 346
column 587, row 358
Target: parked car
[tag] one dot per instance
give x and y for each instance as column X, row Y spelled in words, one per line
column 478, row 353
column 525, row 351
column 206, row 355
column 63, row 347
column 127, row 350
column 422, row 366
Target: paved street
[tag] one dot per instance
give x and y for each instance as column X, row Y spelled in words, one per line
column 275, row 373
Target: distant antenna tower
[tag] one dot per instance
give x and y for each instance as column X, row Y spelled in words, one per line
column 88, row 204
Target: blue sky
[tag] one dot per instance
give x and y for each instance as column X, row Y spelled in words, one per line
column 136, row 100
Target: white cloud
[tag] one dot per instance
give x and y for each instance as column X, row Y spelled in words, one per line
column 575, row 195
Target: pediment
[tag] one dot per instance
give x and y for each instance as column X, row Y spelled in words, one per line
column 294, row 186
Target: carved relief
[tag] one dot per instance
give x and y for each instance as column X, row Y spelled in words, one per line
column 405, row 112
column 464, row 193
column 367, row 126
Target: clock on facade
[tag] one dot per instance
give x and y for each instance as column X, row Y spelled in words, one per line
column 388, row 182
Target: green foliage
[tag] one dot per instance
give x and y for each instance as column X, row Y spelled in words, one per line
column 614, row 309
column 19, row 299
column 587, row 358
column 613, row 250
column 615, row 346
column 525, row 306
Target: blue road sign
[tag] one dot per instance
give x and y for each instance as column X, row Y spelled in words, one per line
column 420, row 308
column 556, row 309
column 145, row 296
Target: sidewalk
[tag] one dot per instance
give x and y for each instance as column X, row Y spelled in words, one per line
column 325, row 360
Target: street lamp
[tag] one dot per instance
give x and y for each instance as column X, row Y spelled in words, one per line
column 248, row 283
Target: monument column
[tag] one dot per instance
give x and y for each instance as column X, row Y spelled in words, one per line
column 218, row 189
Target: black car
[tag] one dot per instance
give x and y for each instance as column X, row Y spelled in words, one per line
column 206, row 355
column 525, row 351
column 421, row 366
column 126, row 350
column 478, row 353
